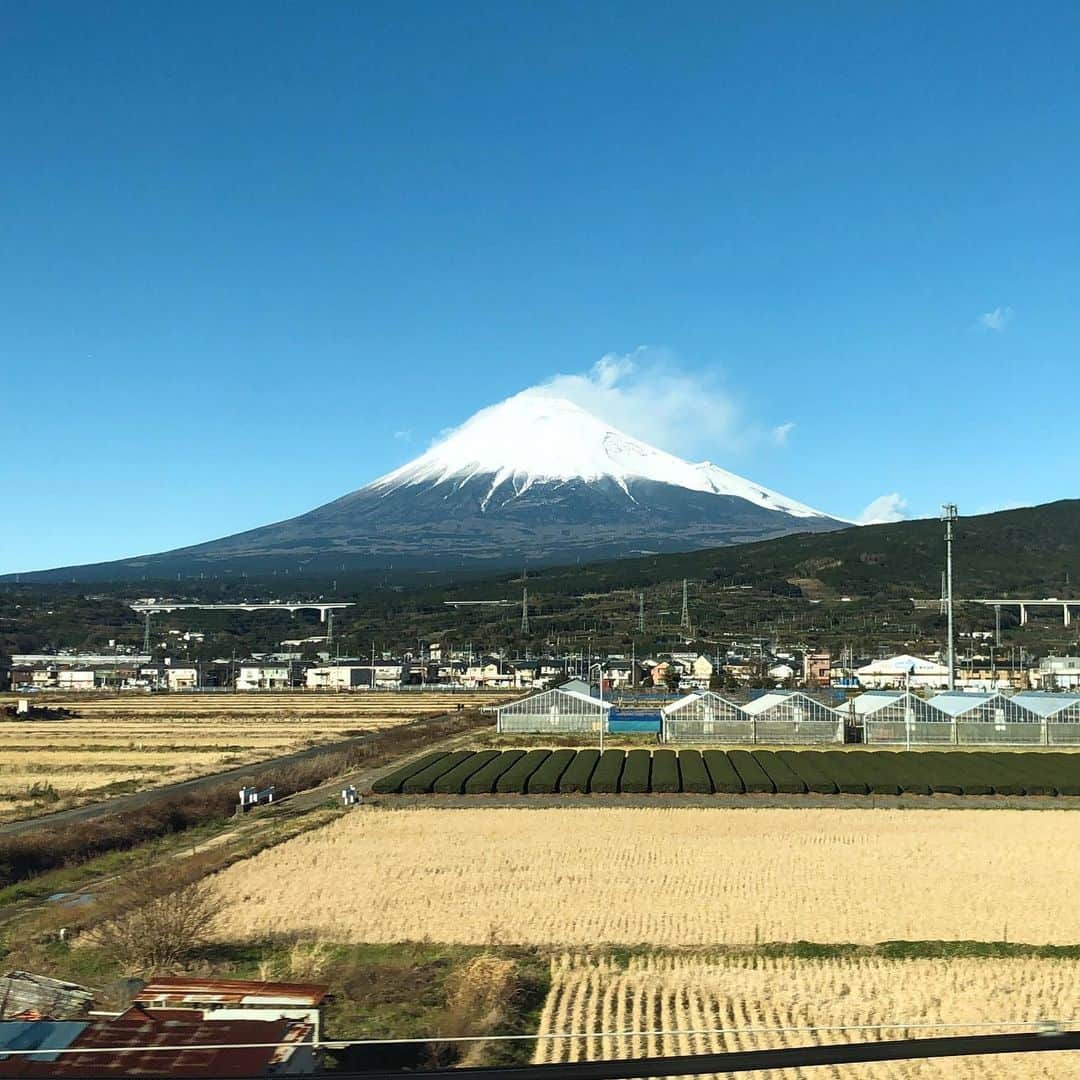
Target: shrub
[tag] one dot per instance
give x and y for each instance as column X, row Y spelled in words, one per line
column 635, row 774
column 725, row 780
column 482, row 782
column 665, row 772
column 516, row 778
column 755, row 779
column 391, row 782
column 911, row 773
column 809, row 770
column 605, row 779
column 879, row 768
column 453, row 782
column 577, row 776
column 422, row 782
column 694, row 776
column 849, row 776
column 545, row 781
column 782, row 775
column 1065, row 768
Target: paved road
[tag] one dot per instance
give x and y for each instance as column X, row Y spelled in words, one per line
column 124, row 803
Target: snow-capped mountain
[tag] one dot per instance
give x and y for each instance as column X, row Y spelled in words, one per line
column 535, row 479
column 532, row 438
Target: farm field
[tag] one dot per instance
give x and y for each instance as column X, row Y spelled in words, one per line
column 118, row 745
column 735, row 772
column 674, row 876
column 695, row 992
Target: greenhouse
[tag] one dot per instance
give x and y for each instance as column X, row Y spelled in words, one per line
column 893, row 716
column 565, row 711
column 789, row 718
column 705, row 717
column 990, row 718
column 1059, row 714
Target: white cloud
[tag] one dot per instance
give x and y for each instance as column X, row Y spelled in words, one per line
column 883, row 509
column 996, row 320
column 781, row 432
column 649, row 394
column 404, row 436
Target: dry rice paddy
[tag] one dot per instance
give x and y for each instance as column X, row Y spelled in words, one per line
column 699, row 993
column 116, row 744
column 668, row 877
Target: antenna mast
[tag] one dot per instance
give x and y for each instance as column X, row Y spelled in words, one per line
column 949, row 515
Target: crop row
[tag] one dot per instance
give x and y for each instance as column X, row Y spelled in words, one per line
column 735, row 772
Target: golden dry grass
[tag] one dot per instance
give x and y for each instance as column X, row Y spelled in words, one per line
column 700, row 993
column 667, row 877
column 144, row 740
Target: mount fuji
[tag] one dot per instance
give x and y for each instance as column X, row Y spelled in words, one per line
column 534, row 479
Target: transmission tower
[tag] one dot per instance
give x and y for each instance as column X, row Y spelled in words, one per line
column 684, row 622
column 641, row 613
column 146, row 635
column 525, row 609
column 329, row 628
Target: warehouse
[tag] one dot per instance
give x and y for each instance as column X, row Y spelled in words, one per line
column 705, row 717
column 558, row 710
column 787, row 717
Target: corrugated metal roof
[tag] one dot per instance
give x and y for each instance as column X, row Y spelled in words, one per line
column 38, row 1034
column 175, row 991
column 190, row 1041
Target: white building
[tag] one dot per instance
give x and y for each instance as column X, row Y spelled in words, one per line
column 893, row 673
column 262, row 675
column 182, row 678
column 1057, row 673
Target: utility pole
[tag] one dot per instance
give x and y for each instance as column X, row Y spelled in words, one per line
column 949, row 515
column 684, row 622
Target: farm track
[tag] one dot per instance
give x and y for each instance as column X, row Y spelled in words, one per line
column 125, row 803
column 248, row 828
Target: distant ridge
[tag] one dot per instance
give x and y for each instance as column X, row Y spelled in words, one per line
column 533, row 479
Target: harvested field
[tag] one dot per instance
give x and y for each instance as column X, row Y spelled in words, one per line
column 121, row 744
column 694, row 993
column 667, row 877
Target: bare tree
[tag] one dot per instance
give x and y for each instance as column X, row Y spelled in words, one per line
column 154, row 928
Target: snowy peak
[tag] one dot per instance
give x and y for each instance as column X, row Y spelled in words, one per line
column 533, row 438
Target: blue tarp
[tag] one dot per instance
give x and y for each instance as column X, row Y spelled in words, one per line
column 627, row 720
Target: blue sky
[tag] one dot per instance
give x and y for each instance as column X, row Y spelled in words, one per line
column 253, row 255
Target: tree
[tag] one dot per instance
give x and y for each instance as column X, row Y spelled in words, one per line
column 156, row 926
column 673, row 676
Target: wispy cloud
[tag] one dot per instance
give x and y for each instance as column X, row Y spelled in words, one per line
column 781, row 432
column 996, row 320
column 404, row 436
column 651, row 394
column 883, row 509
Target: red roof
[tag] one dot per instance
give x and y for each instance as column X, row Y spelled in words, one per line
column 184, row 1029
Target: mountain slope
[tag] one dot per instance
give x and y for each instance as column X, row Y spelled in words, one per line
column 534, row 479
column 1031, row 552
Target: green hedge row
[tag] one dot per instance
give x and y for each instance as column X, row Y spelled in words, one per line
column 737, row 772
